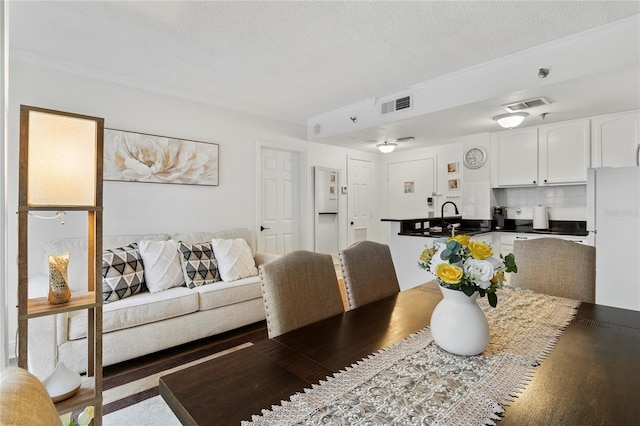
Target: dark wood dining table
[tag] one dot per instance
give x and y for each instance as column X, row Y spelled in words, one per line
column 591, row 377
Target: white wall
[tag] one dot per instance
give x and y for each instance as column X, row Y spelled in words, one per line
column 141, row 207
column 447, row 153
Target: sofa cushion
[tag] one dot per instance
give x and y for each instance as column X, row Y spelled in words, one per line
column 229, row 234
column 162, row 268
column 142, row 308
column 222, row 293
column 235, row 260
column 122, row 273
column 77, row 249
column 199, row 265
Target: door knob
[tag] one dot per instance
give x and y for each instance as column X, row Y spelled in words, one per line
column 351, row 223
column 262, row 228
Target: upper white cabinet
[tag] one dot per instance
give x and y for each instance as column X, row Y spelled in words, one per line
column 616, row 140
column 546, row 155
column 564, row 152
column 517, row 157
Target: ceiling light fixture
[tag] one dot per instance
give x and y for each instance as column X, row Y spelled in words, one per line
column 509, row 121
column 387, row 147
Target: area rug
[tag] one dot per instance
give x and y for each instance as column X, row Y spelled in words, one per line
column 150, row 412
column 137, row 401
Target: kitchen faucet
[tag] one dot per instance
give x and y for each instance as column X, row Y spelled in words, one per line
column 442, row 211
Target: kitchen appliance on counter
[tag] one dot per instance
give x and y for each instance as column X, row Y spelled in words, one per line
column 499, row 215
column 540, row 218
column 613, row 222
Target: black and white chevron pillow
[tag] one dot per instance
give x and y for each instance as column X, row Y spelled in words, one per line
column 122, row 273
column 199, row 264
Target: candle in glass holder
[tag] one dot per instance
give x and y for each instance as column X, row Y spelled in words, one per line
column 58, row 281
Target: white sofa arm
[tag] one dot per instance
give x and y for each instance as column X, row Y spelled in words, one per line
column 262, row 258
column 43, row 333
column 42, row 346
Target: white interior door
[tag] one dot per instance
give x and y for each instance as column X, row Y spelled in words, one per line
column 280, row 201
column 359, row 203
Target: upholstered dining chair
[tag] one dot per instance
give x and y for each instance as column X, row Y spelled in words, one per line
column 368, row 273
column 24, row 400
column 556, row 267
column 299, row 288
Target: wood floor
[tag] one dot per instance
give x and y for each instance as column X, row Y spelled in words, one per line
column 115, row 375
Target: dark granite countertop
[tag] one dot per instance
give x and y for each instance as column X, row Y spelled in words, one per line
column 425, row 219
column 556, row 227
column 475, row 227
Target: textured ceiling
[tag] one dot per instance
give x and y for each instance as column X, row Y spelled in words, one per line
column 290, row 60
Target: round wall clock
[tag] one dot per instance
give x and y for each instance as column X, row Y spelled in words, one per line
column 475, row 157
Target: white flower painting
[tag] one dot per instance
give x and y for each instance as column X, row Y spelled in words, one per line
column 137, row 157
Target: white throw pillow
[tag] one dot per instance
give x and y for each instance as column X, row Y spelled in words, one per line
column 234, row 259
column 162, row 268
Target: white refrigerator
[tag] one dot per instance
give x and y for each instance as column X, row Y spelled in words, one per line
column 613, row 222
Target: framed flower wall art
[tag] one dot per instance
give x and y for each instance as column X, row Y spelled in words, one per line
column 139, row 157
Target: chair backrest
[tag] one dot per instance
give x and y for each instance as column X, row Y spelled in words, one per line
column 368, row 273
column 556, row 267
column 299, row 288
column 24, row 400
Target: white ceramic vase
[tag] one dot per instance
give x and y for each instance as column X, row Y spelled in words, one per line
column 458, row 325
column 63, row 383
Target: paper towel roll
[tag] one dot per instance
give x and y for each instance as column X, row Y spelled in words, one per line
column 540, row 219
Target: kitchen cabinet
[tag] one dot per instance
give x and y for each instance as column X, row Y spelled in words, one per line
column 546, row 155
column 517, row 157
column 507, row 239
column 564, row 152
column 485, row 238
column 616, row 140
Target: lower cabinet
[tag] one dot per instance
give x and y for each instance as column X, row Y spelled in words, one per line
column 485, row 238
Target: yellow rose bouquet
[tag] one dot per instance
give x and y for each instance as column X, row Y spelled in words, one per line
column 468, row 266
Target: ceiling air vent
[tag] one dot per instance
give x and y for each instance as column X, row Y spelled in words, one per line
column 396, row 105
column 523, row 105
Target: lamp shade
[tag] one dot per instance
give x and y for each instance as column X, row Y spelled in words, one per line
column 387, row 147
column 509, row 121
column 61, row 162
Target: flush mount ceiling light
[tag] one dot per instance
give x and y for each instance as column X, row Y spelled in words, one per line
column 509, row 121
column 387, row 147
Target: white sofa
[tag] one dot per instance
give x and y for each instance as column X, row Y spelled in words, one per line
column 145, row 322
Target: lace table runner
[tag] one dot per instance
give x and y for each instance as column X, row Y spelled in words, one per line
column 416, row 382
